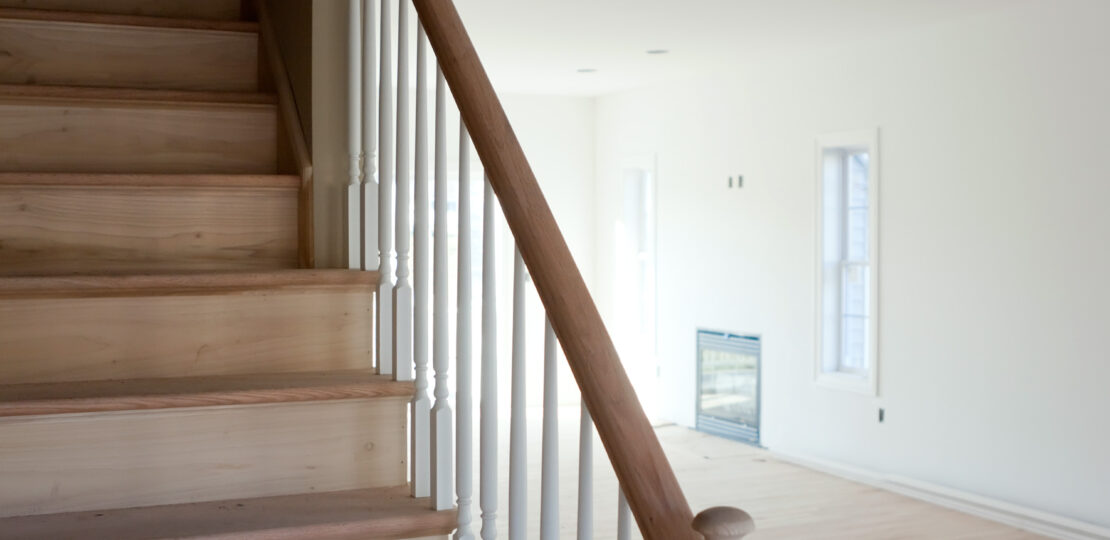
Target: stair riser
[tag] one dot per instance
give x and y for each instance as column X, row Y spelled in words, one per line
column 238, row 332
column 78, row 229
column 118, row 460
column 54, row 136
column 196, row 9
column 84, row 54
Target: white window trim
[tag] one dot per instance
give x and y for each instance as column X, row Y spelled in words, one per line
column 864, row 384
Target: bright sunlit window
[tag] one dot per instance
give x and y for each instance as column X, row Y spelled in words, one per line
column 848, row 255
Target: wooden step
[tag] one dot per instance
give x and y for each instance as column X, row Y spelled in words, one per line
column 181, row 392
column 76, row 328
column 83, row 49
column 190, row 9
column 94, row 461
column 383, row 513
column 67, row 223
column 79, row 130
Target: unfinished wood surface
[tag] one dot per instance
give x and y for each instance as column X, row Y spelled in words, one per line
column 189, row 284
column 192, row 9
column 291, row 132
column 379, row 513
column 181, row 392
column 46, row 135
column 135, row 95
column 90, row 17
column 128, row 327
column 88, row 54
column 788, row 502
column 66, row 463
column 70, row 223
column 653, row 492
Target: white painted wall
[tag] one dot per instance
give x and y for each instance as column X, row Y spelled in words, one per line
column 995, row 246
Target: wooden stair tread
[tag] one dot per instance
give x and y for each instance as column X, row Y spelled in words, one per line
column 140, row 95
column 84, row 17
column 192, row 9
column 380, row 513
column 170, row 393
column 37, row 179
column 181, row 283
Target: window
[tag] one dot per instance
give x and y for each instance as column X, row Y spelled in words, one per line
column 848, row 255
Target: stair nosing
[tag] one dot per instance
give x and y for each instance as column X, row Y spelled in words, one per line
column 138, row 21
column 41, row 399
column 180, row 284
column 109, row 94
column 154, row 180
column 336, row 515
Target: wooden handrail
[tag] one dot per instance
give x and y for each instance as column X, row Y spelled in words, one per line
column 288, row 108
column 649, row 483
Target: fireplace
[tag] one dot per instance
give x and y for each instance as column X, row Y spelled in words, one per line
column 729, row 385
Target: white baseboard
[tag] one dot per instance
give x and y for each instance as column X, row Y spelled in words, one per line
column 1028, row 519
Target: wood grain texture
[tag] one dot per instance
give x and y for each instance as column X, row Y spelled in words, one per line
column 190, row 284
column 89, row 17
column 181, row 392
column 132, row 327
column 192, row 9
column 83, row 54
column 45, row 135
column 69, row 223
column 653, row 491
column 67, row 463
column 292, row 130
column 379, row 513
column 133, row 95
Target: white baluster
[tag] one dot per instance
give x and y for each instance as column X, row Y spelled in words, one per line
column 585, row 475
column 354, row 135
column 549, row 473
column 464, row 408
column 442, row 478
column 420, row 408
column 402, row 291
column 488, row 442
column 369, row 244
column 624, row 517
column 385, row 197
column 518, row 427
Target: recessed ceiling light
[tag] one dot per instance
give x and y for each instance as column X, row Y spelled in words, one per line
column 658, row 51
column 587, row 70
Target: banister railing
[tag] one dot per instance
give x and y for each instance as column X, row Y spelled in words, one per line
column 648, row 482
column 441, row 464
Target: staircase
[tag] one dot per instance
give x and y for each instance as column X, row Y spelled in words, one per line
column 170, row 364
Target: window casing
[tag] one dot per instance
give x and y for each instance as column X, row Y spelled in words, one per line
column 847, row 254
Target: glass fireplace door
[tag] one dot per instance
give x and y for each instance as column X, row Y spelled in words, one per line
column 729, row 385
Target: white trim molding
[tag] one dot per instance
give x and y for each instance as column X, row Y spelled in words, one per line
column 1021, row 517
column 866, row 382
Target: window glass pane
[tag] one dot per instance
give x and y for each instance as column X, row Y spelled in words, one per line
column 854, row 317
column 857, row 206
column 855, row 344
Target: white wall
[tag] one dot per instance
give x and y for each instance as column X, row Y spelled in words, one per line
column 995, row 246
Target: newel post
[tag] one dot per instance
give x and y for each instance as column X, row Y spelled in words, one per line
column 723, row 523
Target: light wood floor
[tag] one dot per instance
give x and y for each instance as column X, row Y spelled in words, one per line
column 786, row 500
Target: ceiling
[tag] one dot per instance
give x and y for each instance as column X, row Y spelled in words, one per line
column 538, row 46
